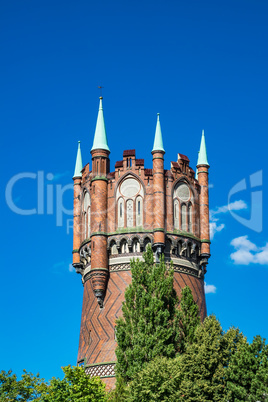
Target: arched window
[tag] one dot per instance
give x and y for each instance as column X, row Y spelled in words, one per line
column 176, row 214
column 197, row 252
column 189, row 249
column 114, row 248
column 139, row 211
column 183, row 217
column 190, row 229
column 183, row 199
column 136, row 246
column 147, row 241
column 86, row 215
column 129, row 213
column 130, row 193
column 179, row 248
column 121, row 213
column 168, row 247
column 124, row 247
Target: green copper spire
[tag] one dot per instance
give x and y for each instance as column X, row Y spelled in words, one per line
column 78, row 164
column 100, row 138
column 158, row 141
column 202, row 155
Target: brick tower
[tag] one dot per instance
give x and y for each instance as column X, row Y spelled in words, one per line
column 116, row 215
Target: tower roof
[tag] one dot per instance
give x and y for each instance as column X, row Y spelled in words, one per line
column 158, row 141
column 78, row 163
column 202, row 154
column 100, row 138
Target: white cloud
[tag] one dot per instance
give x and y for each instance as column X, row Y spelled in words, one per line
column 233, row 206
column 210, row 288
column 248, row 253
column 242, row 242
column 214, row 226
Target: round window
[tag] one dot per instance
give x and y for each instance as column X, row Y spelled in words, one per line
column 183, row 192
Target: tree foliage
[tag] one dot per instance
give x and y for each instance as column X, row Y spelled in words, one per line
column 76, row 386
column 189, row 319
column 247, row 373
column 159, row 380
column 203, row 363
column 215, row 366
column 28, row 388
column 152, row 325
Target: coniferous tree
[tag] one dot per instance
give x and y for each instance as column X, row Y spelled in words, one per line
column 149, row 326
column 189, row 318
column 203, row 364
column 247, row 373
column 152, row 325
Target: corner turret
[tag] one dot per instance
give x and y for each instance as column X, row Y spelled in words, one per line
column 158, row 191
column 77, row 178
column 99, row 183
column 202, row 173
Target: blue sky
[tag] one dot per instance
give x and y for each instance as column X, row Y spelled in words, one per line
column 201, row 65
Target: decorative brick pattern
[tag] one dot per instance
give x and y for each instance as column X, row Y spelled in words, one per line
column 101, row 370
column 120, row 267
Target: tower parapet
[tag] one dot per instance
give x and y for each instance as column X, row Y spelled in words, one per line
column 119, row 213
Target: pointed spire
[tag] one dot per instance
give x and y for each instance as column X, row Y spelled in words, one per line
column 158, row 141
column 100, row 138
column 78, row 164
column 202, row 154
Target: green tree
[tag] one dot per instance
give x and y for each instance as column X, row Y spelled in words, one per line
column 247, row 373
column 76, row 386
column 152, row 325
column 159, row 381
column 121, row 391
column 203, row 364
column 189, row 319
column 28, row 388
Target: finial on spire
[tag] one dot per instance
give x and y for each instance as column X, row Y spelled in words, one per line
column 158, row 140
column 100, row 88
column 202, row 154
column 100, row 138
column 78, row 164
